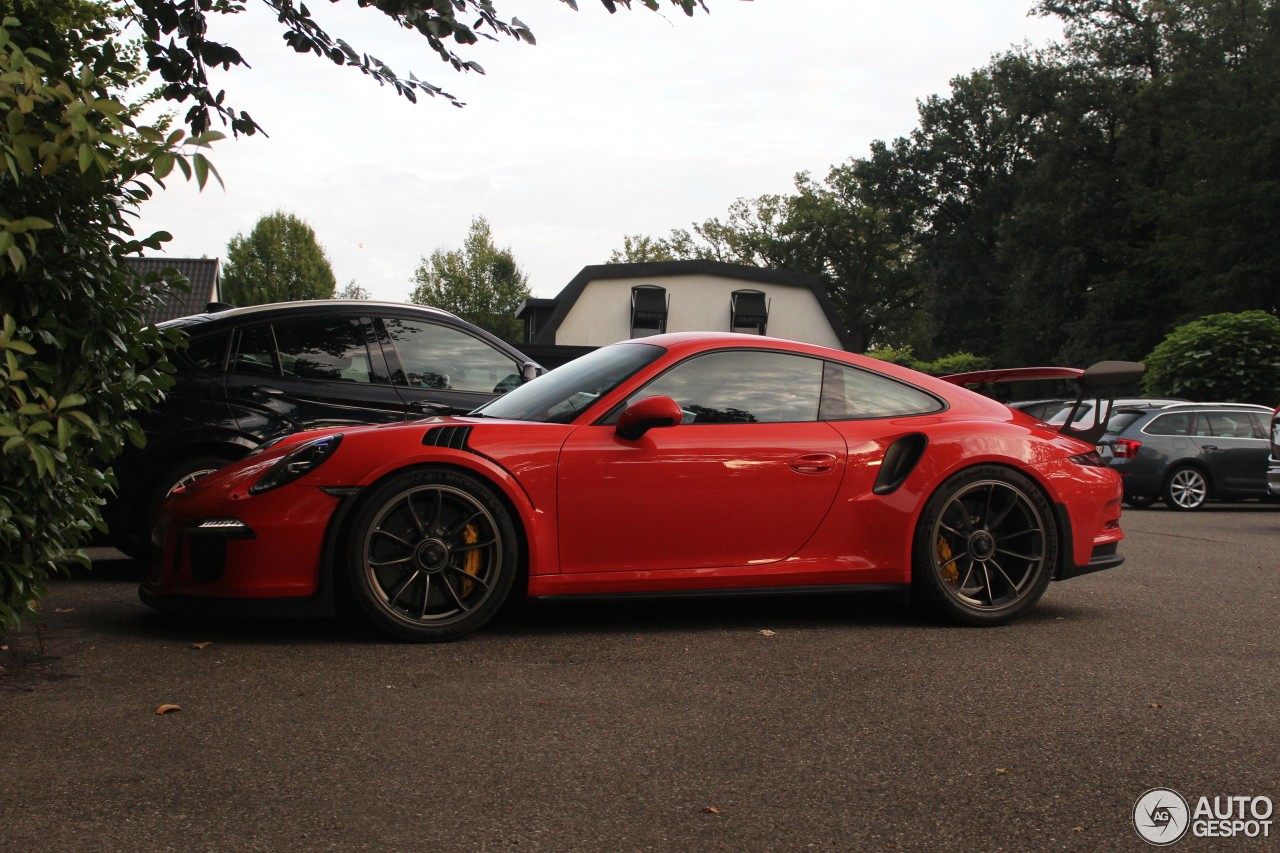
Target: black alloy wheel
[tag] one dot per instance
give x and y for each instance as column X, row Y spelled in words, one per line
column 432, row 555
column 986, row 546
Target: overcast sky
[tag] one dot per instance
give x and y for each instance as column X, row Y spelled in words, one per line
column 634, row 123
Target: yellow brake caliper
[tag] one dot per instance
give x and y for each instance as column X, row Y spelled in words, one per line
column 949, row 571
column 470, row 563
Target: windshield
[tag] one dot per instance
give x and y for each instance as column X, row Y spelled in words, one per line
column 557, row 397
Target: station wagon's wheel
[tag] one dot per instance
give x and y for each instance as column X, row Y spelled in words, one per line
column 1186, row 489
column 137, row 541
column 986, row 546
column 432, row 555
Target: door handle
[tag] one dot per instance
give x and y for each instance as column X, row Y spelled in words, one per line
column 813, row 463
column 1208, row 447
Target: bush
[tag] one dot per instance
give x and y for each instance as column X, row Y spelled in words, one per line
column 1225, row 358
column 77, row 359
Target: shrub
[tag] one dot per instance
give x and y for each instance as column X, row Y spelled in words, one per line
column 1221, row 357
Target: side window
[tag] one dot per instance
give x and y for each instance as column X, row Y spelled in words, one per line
column 849, row 393
column 438, row 356
column 1259, row 424
column 1178, row 423
column 1225, row 424
column 324, row 348
column 209, row 353
column 256, row 355
column 742, row 387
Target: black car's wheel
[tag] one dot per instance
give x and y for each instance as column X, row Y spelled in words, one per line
column 137, row 542
column 1139, row 501
column 1186, row 489
column 985, row 547
column 432, row 555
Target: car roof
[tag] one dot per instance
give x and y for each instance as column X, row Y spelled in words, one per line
column 304, row 306
column 1195, row 407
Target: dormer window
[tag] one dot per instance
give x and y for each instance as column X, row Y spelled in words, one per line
column 648, row 310
column 749, row 312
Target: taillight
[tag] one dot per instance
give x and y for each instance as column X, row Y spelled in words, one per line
column 1125, row 448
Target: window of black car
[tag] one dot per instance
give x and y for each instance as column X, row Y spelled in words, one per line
column 741, row 387
column 849, row 393
column 330, row 349
column 438, row 356
column 558, row 396
column 1261, row 428
column 209, row 353
column 1175, row 423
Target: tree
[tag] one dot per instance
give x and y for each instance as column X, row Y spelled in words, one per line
column 480, row 283
column 351, row 290
column 78, row 358
column 176, row 38
column 280, row 261
column 1228, row 358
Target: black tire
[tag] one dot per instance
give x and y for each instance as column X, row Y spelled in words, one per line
column 1186, row 489
column 1139, row 501
column 431, row 555
column 137, row 541
column 985, row 547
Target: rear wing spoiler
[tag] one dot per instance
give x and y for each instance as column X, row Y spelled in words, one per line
column 1097, row 382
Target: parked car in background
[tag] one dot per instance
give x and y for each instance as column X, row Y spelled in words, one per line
column 1042, row 410
column 1273, row 468
column 1188, row 453
column 256, row 373
column 1085, row 413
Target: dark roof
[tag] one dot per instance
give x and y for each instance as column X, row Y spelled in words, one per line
column 202, row 273
column 666, row 269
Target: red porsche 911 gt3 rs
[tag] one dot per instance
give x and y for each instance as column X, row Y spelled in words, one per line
column 675, row 463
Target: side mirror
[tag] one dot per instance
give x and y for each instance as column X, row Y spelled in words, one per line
column 647, row 414
column 530, row 371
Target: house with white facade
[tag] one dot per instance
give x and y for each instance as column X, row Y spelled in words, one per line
column 614, row 302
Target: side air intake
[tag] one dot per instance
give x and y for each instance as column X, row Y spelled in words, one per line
column 453, row 437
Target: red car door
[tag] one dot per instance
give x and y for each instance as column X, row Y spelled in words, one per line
column 744, row 480
column 694, row 496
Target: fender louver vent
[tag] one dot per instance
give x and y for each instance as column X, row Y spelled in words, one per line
column 454, row 437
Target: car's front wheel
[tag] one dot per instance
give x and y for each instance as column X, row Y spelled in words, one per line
column 432, row 555
column 1186, row 489
column 985, row 547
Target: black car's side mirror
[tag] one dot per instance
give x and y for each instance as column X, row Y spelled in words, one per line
column 649, row 413
column 531, row 370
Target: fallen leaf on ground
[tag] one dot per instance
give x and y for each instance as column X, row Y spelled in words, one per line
column 1077, row 829
column 713, row 810
column 168, row 709
column 203, row 645
column 767, row 633
column 1001, row 771
column 1155, row 705
column 64, row 610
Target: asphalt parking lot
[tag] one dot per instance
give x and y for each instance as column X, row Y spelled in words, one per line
column 834, row 722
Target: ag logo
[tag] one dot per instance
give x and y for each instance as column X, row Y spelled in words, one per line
column 1161, row 816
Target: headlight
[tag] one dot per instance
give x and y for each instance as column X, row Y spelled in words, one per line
column 301, row 460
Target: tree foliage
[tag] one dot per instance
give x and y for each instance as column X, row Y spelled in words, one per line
column 1222, row 357
column 1060, row 205
column 279, row 261
column 180, row 48
column 77, row 357
column 479, row 282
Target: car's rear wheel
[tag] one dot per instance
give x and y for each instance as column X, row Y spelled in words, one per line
column 985, row 546
column 1186, row 489
column 432, row 555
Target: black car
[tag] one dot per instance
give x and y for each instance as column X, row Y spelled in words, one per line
column 1188, row 453
column 251, row 374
